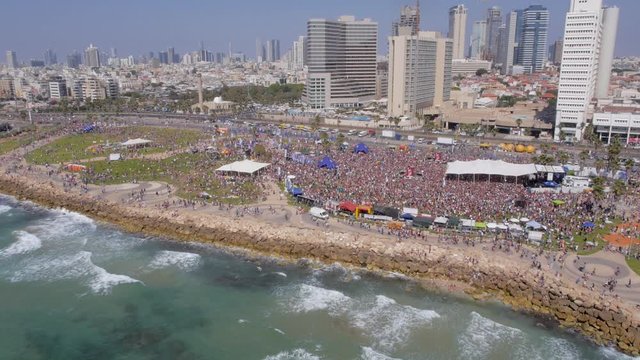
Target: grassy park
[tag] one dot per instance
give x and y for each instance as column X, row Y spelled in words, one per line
column 100, row 144
column 190, row 173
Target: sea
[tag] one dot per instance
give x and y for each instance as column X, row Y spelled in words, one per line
column 73, row 288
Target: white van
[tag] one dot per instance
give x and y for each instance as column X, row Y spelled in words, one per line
column 318, row 213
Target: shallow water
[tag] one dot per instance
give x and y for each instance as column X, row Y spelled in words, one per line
column 73, row 289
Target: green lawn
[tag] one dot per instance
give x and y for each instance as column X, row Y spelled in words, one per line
column 190, row 173
column 86, row 146
column 10, row 144
column 634, row 264
column 595, row 236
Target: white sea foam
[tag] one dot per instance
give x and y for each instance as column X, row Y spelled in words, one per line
column 280, row 273
column 370, row 354
column 5, row 208
column 26, row 243
column 278, row 331
column 483, row 334
column 76, row 266
column 307, row 298
column 388, row 322
column 297, row 354
column 181, row 260
column 63, row 224
column 102, row 282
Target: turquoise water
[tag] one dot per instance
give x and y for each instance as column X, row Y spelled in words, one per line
column 74, row 289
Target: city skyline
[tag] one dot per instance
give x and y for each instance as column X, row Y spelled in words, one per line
column 217, row 27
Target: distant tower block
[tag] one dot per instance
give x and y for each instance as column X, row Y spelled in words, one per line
column 200, row 97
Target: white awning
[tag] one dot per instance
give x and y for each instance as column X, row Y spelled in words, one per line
column 550, row 169
column 135, row 142
column 468, row 223
column 490, row 167
column 440, row 220
column 244, row 167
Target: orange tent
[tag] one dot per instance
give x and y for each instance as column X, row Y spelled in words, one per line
column 76, row 167
column 620, row 240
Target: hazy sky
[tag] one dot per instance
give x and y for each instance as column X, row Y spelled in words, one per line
column 136, row 27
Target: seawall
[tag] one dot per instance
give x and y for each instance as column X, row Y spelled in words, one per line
column 601, row 320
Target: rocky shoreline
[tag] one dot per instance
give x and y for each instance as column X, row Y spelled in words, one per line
column 603, row 321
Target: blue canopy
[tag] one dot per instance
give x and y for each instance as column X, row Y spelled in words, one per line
column 406, row 216
column 88, row 128
column 361, row 148
column 296, row 191
column 533, row 225
column 550, row 184
column 588, row 224
column 327, row 163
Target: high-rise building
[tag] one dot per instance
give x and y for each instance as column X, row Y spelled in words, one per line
column 297, row 53
column 50, row 57
column 92, row 57
column 478, row 40
column 171, row 55
column 259, row 51
column 555, row 52
column 163, row 56
column 7, row 88
column 508, row 43
column 532, row 45
column 382, row 80
column 12, row 59
column 409, row 17
column 607, row 47
column 113, row 53
column 585, row 63
column 36, row 63
column 494, row 21
column 341, row 60
column 57, row 87
column 273, row 50
column 74, row 60
column 457, row 29
column 419, row 72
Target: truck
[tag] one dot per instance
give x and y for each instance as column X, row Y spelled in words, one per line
column 445, row 141
column 388, row 134
column 319, row 213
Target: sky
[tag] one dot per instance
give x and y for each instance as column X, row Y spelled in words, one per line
column 135, row 27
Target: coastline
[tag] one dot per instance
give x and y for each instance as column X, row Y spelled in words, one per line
column 602, row 321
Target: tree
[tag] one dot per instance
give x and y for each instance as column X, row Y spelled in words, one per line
column 481, row 72
column 395, row 120
column 584, row 155
column 562, row 157
column 340, row 139
column 613, row 155
column 598, row 187
column 317, row 120
column 599, row 165
column 619, row 188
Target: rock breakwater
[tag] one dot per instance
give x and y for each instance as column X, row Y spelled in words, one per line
column 602, row 320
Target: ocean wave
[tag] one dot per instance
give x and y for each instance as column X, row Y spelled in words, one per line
column 76, row 266
column 483, row 335
column 370, row 354
column 181, row 260
column 388, row 322
column 337, row 271
column 26, row 243
column 62, row 224
column 307, row 298
column 102, row 282
column 5, row 208
column 297, row 354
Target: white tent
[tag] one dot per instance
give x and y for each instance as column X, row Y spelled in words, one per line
column 440, row 220
column 492, row 225
column 114, row 157
column 490, row 167
column 535, row 236
column 136, row 142
column 411, row 211
column 243, row 167
column 467, row 223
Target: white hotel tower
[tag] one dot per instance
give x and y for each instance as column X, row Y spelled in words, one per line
column 589, row 43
